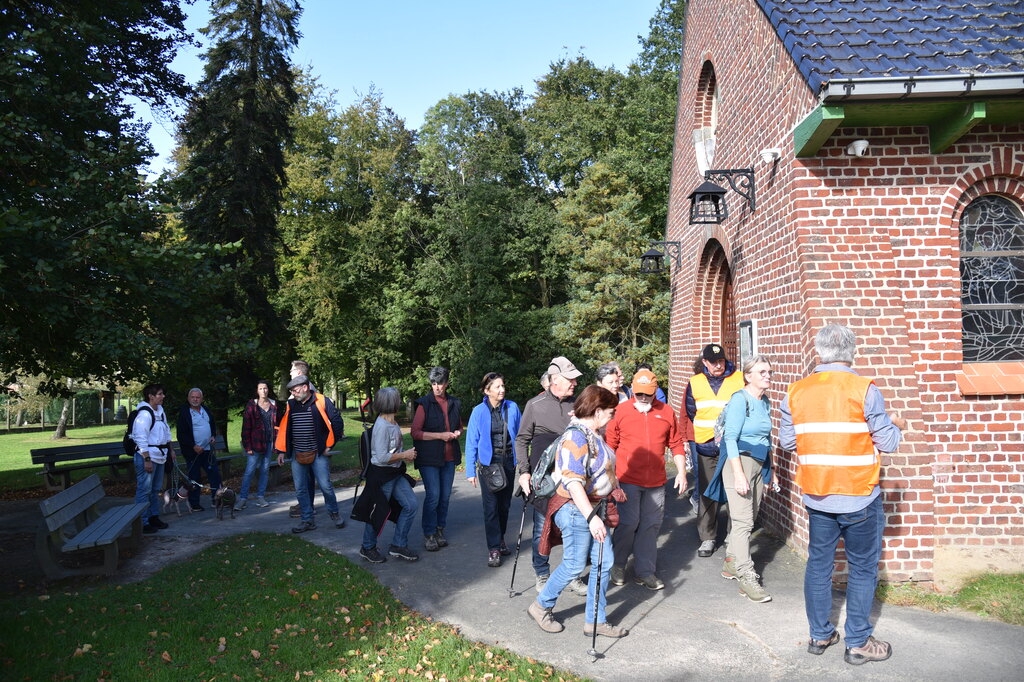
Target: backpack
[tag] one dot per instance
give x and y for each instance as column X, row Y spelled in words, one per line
column 126, row 442
column 542, row 481
column 365, row 444
column 720, row 422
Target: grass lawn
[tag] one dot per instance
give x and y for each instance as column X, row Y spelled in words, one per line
column 256, row 606
column 998, row 596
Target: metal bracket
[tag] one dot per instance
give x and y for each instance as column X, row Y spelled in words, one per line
column 673, row 250
column 741, row 180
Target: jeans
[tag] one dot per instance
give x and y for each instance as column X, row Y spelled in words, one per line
column 437, row 491
column 148, row 486
column 640, row 519
column 321, row 470
column 399, row 489
column 577, row 542
column 541, row 564
column 196, row 464
column 252, row 463
column 861, row 532
column 496, row 505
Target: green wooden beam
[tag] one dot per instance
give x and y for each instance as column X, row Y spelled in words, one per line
column 943, row 134
column 817, row 126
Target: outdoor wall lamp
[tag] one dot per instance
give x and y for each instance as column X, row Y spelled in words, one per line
column 651, row 262
column 707, row 202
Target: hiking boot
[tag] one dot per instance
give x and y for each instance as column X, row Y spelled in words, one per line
column 262, row 502
column 818, row 646
column 729, row 568
column 304, row 526
column 403, row 553
column 149, row 529
column 494, row 558
column 651, row 582
column 873, row 650
column 240, row 505
column 605, row 630
column 578, row 587
column 544, row 618
column 618, row 575
column 542, row 580
column 338, row 521
column 503, row 549
column 439, row 536
column 750, row 587
column 372, row 555
column 706, row 549
column 430, row 543
column 157, row 523
column 295, row 511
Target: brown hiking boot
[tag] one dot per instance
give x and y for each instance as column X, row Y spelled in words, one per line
column 818, row 646
column 750, row 587
column 605, row 630
column 544, row 618
column 873, row 650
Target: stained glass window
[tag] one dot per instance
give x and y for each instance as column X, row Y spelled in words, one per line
column 992, row 280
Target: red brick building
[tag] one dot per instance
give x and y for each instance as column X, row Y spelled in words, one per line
column 915, row 240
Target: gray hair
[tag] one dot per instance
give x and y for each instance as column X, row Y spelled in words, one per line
column 387, row 401
column 835, row 343
column 438, row 375
column 605, row 370
column 751, row 362
column 545, row 380
column 195, row 390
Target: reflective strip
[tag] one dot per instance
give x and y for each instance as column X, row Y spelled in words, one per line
column 701, row 404
column 706, row 423
column 831, row 427
column 838, row 460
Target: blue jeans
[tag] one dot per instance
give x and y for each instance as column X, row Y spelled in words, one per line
column 496, row 505
column 541, row 564
column 253, row 462
column 862, row 536
column 147, row 487
column 577, row 542
column 321, row 471
column 197, row 463
column 399, row 489
column 437, row 491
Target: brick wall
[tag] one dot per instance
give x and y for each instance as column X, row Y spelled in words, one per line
column 868, row 241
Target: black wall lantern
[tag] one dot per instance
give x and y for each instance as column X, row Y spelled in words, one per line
column 651, row 262
column 707, row 202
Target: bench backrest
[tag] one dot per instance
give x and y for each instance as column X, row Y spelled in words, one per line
column 70, row 453
column 67, row 504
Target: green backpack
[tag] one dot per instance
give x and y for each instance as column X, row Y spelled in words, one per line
column 542, row 481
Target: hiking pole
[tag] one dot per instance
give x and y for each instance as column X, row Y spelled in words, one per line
column 519, row 542
column 600, row 510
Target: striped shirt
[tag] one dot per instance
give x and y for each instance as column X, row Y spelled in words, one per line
column 301, row 426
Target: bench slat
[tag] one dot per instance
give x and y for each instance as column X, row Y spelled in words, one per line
column 106, row 528
column 66, row 505
column 66, row 453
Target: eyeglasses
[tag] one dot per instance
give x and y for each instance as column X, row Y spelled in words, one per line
column 766, row 373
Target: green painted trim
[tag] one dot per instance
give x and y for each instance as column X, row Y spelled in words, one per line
column 816, row 128
column 942, row 135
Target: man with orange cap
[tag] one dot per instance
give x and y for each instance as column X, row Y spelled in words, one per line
column 641, row 430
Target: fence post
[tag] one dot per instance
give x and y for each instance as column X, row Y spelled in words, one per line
column 72, row 410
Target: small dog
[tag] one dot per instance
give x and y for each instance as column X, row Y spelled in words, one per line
column 224, row 499
column 176, row 498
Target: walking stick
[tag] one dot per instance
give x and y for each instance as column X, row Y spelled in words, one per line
column 519, row 542
column 600, row 511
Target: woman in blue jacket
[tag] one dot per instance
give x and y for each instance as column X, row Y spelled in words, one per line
column 490, row 439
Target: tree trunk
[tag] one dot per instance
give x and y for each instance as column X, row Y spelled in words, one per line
column 62, row 423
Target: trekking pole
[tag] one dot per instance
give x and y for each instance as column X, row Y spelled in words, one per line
column 602, row 506
column 519, row 542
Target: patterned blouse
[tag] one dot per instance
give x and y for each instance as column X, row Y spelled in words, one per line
column 580, row 450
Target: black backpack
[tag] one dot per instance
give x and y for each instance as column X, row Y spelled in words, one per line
column 126, row 441
column 542, row 482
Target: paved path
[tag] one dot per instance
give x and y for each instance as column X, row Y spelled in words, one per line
column 699, row 627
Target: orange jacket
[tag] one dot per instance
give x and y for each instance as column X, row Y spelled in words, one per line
column 639, row 441
column 835, row 453
column 282, row 444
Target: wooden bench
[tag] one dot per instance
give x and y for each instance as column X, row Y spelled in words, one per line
column 59, row 462
column 72, row 522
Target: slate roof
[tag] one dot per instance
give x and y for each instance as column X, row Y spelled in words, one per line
column 830, row 39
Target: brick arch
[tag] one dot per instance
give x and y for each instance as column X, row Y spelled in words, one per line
column 705, row 117
column 713, row 309
column 1003, row 175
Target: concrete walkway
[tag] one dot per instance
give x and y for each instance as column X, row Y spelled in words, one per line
column 698, row 627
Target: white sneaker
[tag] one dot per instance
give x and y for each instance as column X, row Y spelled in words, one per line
column 262, row 502
column 579, row 587
column 706, row 549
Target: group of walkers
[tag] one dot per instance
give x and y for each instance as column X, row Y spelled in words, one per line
column 609, row 445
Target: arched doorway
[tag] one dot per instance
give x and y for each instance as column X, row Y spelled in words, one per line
column 714, row 312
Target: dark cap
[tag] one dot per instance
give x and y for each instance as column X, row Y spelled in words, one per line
column 297, row 381
column 713, row 352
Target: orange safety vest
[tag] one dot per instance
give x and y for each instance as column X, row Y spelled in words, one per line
column 835, row 453
column 711, row 404
column 281, row 444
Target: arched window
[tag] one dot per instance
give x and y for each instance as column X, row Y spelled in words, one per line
column 992, row 280
column 705, row 118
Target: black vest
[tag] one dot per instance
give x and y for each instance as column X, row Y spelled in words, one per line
column 430, row 453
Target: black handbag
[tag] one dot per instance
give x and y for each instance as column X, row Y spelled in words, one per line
column 493, row 476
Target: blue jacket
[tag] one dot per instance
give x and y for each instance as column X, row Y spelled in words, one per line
column 478, row 433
